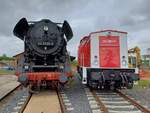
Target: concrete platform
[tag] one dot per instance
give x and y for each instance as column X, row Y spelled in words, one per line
column 7, row 83
column 44, row 102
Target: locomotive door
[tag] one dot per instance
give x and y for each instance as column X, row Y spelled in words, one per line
column 109, row 51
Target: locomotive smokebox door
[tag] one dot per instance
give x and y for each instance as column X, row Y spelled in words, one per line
column 67, row 30
column 21, row 28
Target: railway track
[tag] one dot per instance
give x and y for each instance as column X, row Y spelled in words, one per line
column 113, row 102
column 6, row 96
column 44, row 102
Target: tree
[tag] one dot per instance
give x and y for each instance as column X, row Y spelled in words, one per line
column 5, row 57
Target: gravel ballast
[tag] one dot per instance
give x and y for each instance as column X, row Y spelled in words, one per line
column 141, row 95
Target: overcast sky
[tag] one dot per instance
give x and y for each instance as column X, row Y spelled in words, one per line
column 84, row 16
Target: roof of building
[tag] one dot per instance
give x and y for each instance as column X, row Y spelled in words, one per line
column 148, row 56
column 18, row 54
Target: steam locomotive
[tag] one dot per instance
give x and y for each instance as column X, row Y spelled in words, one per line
column 46, row 59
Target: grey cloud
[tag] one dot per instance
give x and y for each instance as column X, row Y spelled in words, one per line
column 137, row 16
column 84, row 17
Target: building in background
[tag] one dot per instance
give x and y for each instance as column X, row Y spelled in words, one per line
column 146, row 59
column 18, row 61
column 148, row 51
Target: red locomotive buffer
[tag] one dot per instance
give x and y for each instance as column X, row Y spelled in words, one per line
column 103, row 60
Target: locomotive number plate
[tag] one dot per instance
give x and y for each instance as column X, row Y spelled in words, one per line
column 45, row 43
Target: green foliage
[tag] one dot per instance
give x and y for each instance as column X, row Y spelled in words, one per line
column 6, row 72
column 74, row 63
column 5, row 57
column 145, row 62
column 143, row 84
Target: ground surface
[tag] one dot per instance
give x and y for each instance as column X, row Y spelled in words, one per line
column 7, row 72
column 7, row 83
column 15, row 102
column 142, row 95
column 76, row 95
column 4, row 79
column 141, row 91
column 50, row 100
column 145, row 75
column 78, row 102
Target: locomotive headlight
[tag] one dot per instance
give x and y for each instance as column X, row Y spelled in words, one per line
column 45, row 28
column 95, row 60
column 26, row 67
column 124, row 62
column 62, row 67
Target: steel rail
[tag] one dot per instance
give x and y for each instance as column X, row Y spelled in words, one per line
column 62, row 106
column 100, row 103
column 132, row 101
column 10, row 92
column 25, row 103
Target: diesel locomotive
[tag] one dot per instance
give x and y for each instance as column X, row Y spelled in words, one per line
column 46, row 60
column 103, row 60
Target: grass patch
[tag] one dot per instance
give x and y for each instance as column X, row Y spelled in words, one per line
column 6, row 72
column 143, row 84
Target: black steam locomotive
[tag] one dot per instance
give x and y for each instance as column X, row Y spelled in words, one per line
column 45, row 47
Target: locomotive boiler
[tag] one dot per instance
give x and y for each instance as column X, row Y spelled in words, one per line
column 46, row 60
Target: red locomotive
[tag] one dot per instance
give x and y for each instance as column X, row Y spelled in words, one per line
column 103, row 60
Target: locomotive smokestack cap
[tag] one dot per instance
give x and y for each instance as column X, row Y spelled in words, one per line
column 67, row 30
column 21, row 28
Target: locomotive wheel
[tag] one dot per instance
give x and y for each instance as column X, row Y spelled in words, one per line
column 32, row 89
column 55, row 85
column 112, row 87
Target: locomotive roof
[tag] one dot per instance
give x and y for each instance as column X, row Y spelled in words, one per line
column 86, row 37
column 108, row 31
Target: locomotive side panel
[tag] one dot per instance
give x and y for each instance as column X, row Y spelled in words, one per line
column 84, row 53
